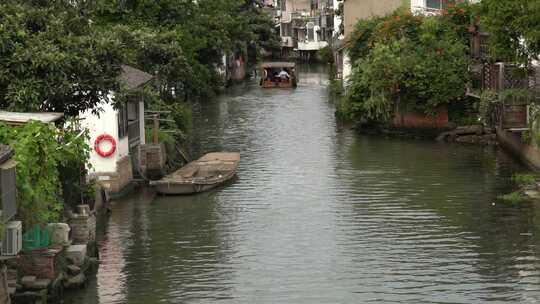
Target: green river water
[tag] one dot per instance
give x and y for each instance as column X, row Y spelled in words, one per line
column 319, row 214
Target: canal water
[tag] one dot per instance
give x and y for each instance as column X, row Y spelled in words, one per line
column 319, row 214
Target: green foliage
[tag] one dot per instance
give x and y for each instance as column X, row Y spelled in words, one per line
column 515, row 197
column 524, row 179
column 420, row 61
column 486, row 106
column 65, row 56
column 516, row 96
column 182, row 44
column 177, row 115
column 460, row 16
column 374, row 83
column 40, row 149
column 513, row 28
column 362, row 38
column 526, row 137
column 163, row 137
column 326, row 55
column 53, row 59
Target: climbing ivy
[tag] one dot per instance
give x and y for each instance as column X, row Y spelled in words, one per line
column 40, row 149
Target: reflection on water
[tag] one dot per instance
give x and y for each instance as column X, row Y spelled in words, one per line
column 319, row 215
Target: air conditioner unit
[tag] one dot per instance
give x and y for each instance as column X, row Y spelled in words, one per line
column 12, row 242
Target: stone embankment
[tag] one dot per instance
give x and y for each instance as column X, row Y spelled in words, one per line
column 472, row 134
column 41, row 275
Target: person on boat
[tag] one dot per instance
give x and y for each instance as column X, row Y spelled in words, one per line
column 275, row 77
column 266, row 76
column 284, row 75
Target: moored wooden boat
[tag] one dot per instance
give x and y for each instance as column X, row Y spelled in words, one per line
column 209, row 171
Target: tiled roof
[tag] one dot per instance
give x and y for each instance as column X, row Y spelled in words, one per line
column 18, row 118
column 134, row 78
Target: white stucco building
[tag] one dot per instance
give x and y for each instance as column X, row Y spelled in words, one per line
column 125, row 126
column 306, row 26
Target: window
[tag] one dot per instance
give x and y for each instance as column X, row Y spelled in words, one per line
column 434, row 4
column 314, row 5
column 133, row 110
column 310, row 31
column 122, row 120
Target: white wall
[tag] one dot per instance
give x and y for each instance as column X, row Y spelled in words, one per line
column 337, row 21
column 104, row 123
column 418, row 3
column 347, row 68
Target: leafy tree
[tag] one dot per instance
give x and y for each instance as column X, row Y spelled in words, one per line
column 182, row 43
column 52, row 59
column 418, row 62
column 513, row 28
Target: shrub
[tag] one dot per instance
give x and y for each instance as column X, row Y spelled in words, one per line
column 420, row 61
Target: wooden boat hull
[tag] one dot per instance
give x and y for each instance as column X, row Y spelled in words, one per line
column 206, row 173
column 179, row 189
column 273, row 85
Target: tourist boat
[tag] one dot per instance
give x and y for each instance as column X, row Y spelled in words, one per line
column 269, row 75
column 209, row 171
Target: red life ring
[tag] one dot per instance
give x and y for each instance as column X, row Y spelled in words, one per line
column 98, row 141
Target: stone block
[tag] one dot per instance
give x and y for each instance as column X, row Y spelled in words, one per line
column 40, row 262
column 73, row 269
column 28, row 281
column 75, row 281
column 41, row 284
column 76, row 254
column 12, row 274
column 116, row 182
column 31, row 297
column 83, row 228
column 83, row 210
column 58, row 233
column 153, row 160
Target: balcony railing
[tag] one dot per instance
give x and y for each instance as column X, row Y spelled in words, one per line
column 311, row 45
column 511, row 111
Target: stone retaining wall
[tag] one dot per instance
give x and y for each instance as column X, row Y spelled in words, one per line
column 512, row 142
column 152, row 160
column 41, row 263
column 115, row 182
column 83, row 227
column 420, row 120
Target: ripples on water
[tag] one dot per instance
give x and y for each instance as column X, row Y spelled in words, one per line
column 319, row 215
